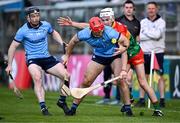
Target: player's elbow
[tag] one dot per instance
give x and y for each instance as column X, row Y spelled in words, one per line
column 55, row 33
column 14, row 45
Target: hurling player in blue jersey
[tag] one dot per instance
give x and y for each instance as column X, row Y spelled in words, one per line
column 33, row 36
column 107, row 46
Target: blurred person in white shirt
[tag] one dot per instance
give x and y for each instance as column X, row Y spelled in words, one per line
column 152, row 38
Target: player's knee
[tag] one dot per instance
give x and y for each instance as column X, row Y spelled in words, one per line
column 142, row 80
column 143, row 84
column 87, row 82
column 85, row 85
column 161, row 79
column 37, row 79
column 67, row 75
column 129, row 78
column 123, row 84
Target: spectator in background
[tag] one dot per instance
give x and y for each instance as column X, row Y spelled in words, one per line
column 133, row 26
column 152, row 38
column 129, row 19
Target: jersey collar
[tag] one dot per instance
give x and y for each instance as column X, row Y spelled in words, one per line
column 30, row 27
column 157, row 17
column 128, row 19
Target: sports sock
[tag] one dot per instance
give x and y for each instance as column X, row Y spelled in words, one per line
column 74, row 106
column 127, row 107
column 142, row 100
column 62, row 98
column 156, row 106
column 162, row 100
column 42, row 105
column 66, row 83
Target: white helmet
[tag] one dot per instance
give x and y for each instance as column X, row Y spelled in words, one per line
column 106, row 12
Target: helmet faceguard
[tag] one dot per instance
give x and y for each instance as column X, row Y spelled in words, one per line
column 96, row 24
column 107, row 12
column 33, row 17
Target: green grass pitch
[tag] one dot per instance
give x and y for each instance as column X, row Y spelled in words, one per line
column 27, row 111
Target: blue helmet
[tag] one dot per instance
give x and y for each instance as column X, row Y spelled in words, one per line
column 32, row 9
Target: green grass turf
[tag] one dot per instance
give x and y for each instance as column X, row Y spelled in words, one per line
column 27, row 110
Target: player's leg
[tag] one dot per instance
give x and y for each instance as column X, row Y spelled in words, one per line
column 92, row 71
column 117, row 99
column 36, row 72
column 60, row 71
column 116, row 67
column 161, row 87
column 130, row 83
column 116, row 72
column 144, row 84
column 141, row 102
column 107, row 88
column 161, row 82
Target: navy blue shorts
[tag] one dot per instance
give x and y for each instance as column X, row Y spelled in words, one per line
column 147, row 63
column 44, row 63
column 104, row 60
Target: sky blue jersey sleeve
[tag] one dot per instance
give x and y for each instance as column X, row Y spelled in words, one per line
column 84, row 34
column 50, row 28
column 19, row 35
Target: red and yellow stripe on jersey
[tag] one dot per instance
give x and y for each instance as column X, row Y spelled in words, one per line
column 134, row 52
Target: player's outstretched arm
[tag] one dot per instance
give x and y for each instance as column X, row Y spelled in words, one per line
column 68, row 22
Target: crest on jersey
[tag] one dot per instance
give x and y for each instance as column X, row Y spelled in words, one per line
column 113, row 40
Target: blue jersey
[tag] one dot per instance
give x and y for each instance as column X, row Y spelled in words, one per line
column 102, row 46
column 34, row 39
